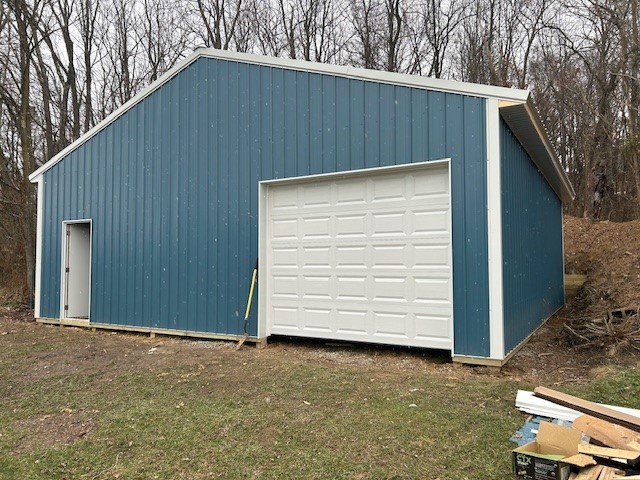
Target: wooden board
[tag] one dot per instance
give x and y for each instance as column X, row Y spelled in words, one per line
column 589, row 473
column 609, row 473
column 607, row 433
column 606, row 473
column 607, row 452
column 580, row 460
column 590, row 408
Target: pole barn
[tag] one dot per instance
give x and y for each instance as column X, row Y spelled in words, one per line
column 382, row 208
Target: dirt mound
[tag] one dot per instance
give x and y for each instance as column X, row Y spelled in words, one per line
column 609, row 254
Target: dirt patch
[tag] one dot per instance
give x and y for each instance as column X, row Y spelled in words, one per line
column 50, row 431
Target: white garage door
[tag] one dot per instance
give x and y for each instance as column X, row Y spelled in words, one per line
column 362, row 257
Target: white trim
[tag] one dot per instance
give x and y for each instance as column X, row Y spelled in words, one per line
column 63, row 261
column 416, row 81
column 360, row 171
column 39, row 226
column 264, row 290
column 494, row 232
column 453, row 304
column 263, row 200
column 437, row 84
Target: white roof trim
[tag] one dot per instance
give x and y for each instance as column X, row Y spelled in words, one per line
column 438, row 84
column 449, row 86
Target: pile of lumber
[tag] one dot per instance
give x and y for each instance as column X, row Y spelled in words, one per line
column 620, row 326
column 613, row 447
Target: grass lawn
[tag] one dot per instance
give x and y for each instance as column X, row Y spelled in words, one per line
column 77, row 404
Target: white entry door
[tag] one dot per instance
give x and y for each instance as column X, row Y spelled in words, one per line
column 364, row 256
column 76, row 270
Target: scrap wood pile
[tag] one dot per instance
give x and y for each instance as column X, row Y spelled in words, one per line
column 603, row 442
column 620, row 327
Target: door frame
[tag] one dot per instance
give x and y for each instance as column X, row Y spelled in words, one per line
column 263, row 213
column 63, row 263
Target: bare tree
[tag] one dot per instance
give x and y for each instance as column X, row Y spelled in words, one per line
column 15, row 94
column 163, row 39
column 87, row 25
column 219, row 19
column 437, row 25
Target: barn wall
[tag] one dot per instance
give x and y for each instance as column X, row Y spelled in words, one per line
column 532, row 243
column 172, row 187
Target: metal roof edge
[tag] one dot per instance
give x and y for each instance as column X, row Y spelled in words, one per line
column 403, row 79
column 416, row 81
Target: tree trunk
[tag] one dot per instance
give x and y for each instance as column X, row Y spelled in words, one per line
column 26, row 142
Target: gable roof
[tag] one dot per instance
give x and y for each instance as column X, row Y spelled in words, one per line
column 520, row 114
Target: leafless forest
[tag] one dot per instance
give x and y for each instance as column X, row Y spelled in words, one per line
column 66, row 64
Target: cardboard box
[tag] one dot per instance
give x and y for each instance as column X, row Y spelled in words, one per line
column 542, row 459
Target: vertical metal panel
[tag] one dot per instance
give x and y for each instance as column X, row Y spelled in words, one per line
column 467, row 144
column 171, row 187
column 531, row 243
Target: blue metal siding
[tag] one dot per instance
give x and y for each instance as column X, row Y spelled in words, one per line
column 531, row 243
column 171, row 187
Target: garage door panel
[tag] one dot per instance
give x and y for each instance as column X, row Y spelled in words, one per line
column 349, row 193
column 315, row 195
column 285, row 257
column 316, row 256
column 391, row 223
column 316, row 287
column 285, row 318
column 351, row 256
column 430, row 290
column 391, row 324
column 351, row 288
column 285, row 199
column 431, row 184
column 388, row 189
column 371, row 256
column 315, row 227
column 285, row 229
column 427, row 222
column 351, row 321
column 390, row 256
column 285, row 286
column 351, row 225
column 435, row 255
column 317, row 319
column 388, row 289
column 430, row 326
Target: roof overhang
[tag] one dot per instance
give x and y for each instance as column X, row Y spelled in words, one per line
column 525, row 124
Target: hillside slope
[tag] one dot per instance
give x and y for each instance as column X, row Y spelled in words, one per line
column 609, row 254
